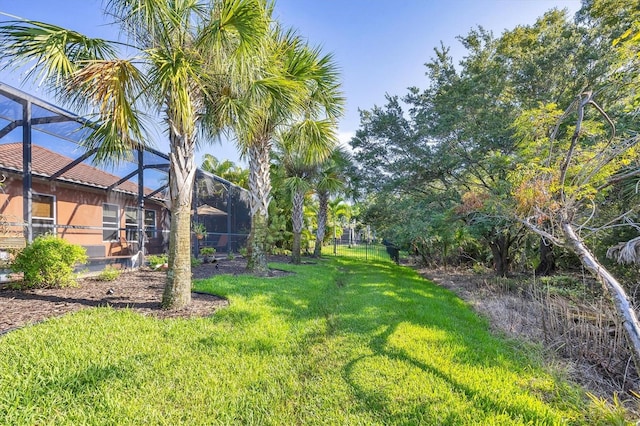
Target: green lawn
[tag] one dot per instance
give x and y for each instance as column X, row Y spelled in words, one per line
column 342, row 342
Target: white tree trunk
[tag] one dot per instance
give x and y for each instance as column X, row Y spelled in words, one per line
column 323, row 201
column 298, row 222
column 620, row 299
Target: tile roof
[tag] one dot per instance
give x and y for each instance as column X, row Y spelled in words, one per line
column 46, row 163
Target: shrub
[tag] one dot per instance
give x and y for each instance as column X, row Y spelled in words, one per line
column 109, row 274
column 207, row 251
column 155, row 260
column 48, row 262
column 195, row 261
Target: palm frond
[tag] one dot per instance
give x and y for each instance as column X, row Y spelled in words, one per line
column 315, row 139
column 111, row 89
column 53, row 53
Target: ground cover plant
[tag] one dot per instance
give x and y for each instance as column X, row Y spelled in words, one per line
column 338, row 342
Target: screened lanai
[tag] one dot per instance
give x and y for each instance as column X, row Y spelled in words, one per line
column 50, row 184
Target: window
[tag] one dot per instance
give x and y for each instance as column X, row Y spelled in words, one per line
column 110, row 223
column 150, row 223
column 131, row 223
column 43, row 214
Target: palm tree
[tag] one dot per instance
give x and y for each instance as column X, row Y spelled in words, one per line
column 339, row 213
column 299, row 161
column 330, row 179
column 313, row 86
column 226, row 169
column 189, row 55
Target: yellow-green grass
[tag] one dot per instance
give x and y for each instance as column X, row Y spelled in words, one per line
column 340, row 342
column 361, row 251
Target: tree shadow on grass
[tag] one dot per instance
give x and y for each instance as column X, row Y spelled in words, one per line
column 368, row 302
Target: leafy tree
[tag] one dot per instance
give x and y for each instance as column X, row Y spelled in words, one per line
column 188, row 55
column 558, row 197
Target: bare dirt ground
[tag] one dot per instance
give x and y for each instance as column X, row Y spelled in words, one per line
column 139, row 290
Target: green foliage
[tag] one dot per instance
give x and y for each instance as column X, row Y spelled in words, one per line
column 198, row 229
column 226, row 169
column 605, row 413
column 569, row 286
column 195, row 261
column 277, row 251
column 207, row 251
column 156, row 260
column 109, row 274
column 49, row 262
column 279, row 233
column 339, row 342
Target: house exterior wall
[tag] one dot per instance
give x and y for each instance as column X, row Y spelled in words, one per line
column 78, row 215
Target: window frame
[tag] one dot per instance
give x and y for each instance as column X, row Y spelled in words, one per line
column 53, row 219
column 150, row 230
column 131, row 226
column 115, row 228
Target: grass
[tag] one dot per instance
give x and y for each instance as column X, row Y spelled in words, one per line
column 363, row 251
column 341, row 342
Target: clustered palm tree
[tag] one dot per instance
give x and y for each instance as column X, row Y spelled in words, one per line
column 329, row 180
column 201, row 66
column 306, row 114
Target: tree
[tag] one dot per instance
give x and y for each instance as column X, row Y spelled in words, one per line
column 226, row 169
column 329, row 180
column 558, row 198
column 311, row 80
column 188, row 55
column 300, row 152
column 339, row 214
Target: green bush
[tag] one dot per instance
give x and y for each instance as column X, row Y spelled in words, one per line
column 109, row 273
column 207, row 251
column 48, row 262
column 155, row 260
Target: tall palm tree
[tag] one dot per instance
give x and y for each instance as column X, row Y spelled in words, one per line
column 313, row 85
column 299, row 161
column 330, row 179
column 188, row 55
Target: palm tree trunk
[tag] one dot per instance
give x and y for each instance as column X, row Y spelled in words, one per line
column 621, row 301
column 260, row 197
column 182, row 172
column 323, row 201
column 298, row 222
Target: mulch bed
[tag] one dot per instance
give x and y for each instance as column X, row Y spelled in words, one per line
column 139, row 290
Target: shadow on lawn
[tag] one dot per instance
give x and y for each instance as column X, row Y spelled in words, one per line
column 410, row 293
column 359, row 299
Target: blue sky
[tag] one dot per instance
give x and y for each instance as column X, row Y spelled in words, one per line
column 380, row 45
